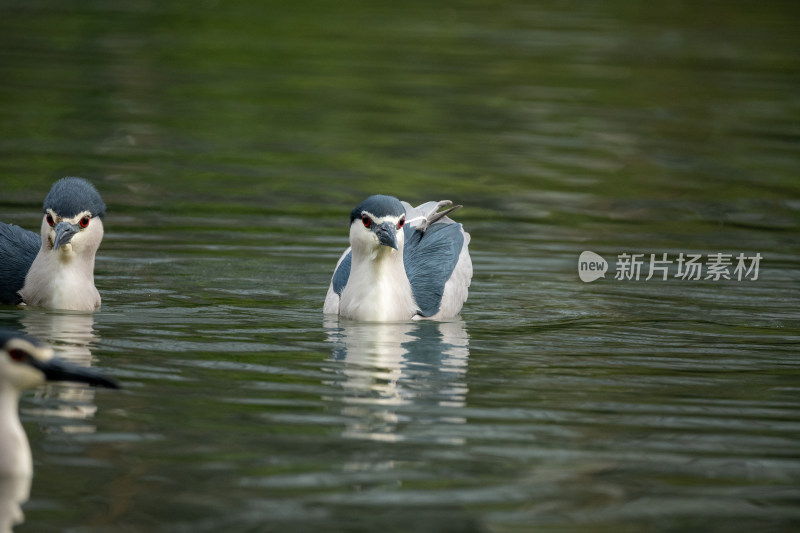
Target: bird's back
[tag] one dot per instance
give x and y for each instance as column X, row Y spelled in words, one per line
column 430, row 258
column 436, row 255
column 18, row 249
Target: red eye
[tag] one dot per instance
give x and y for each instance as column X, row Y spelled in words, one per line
column 401, row 222
column 17, row 355
column 84, row 222
column 50, row 220
column 367, row 222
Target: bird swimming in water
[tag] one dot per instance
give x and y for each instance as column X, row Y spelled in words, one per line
column 25, row 362
column 403, row 263
column 56, row 268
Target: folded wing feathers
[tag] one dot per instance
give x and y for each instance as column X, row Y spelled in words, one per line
column 18, row 249
column 424, row 216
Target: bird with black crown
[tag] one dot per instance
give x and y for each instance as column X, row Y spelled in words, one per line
column 55, row 268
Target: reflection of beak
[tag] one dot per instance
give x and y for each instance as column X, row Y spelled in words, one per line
column 64, row 233
column 57, row 370
column 386, row 235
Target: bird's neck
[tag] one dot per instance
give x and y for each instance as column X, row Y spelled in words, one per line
column 15, row 452
column 378, row 289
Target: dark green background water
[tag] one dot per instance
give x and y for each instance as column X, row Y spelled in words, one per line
column 230, row 141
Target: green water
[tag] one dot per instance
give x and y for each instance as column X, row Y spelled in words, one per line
column 230, row 140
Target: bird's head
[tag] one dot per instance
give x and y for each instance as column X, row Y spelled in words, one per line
column 73, row 218
column 26, row 362
column 377, row 222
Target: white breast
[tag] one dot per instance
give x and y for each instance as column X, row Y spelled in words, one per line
column 378, row 289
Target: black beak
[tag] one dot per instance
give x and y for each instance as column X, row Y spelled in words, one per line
column 64, row 233
column 58, row 370
column 387, row 236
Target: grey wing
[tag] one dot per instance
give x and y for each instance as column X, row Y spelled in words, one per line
column 18, row 249
column 338, row 283
column 431, row 258
column 456, row 289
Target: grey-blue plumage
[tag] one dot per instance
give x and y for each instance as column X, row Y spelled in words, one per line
column 379, row 205
column 430, row 257
column 342, row 273
column 414, row 261
column 55, row 268
column 71, row 196
column 18, row 249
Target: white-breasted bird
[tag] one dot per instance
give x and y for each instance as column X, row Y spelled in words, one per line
column 403, row 263
column 25, row 362
column 56, row 268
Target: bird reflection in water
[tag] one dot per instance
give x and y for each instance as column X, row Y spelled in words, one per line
column 402, row 381
column 67, row 407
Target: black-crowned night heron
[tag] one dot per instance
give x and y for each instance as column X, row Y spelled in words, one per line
column 403, row 263
column 55, row 269
column 26, row 362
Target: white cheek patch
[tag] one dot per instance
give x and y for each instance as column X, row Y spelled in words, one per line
column 42, row 353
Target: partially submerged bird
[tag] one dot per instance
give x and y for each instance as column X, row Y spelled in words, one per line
column 26, row 362
column 56, row 268
column 403, row 263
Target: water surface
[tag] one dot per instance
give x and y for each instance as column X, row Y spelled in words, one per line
column 230, row 142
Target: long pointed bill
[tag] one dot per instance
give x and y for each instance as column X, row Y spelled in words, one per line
column 64, row 233
column 58, row 370
column 387, row 236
